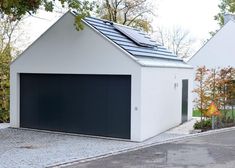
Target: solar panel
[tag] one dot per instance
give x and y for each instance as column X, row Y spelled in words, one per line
column 136, row 36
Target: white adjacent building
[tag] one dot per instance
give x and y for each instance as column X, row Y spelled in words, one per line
column 219, row 51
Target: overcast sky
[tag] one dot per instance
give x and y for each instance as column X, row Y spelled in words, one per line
column 195, row 16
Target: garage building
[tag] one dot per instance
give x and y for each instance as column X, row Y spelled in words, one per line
column 106, row 80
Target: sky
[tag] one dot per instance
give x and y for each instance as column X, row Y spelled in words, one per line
column 194, row 16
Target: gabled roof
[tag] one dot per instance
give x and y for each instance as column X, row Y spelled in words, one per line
column 218, row 51
column 137, row 43
column 109, row 29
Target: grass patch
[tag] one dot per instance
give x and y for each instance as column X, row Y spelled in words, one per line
column 230, row 114
column 197, row 113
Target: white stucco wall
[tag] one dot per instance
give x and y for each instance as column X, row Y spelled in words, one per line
column 219, row 51
column 161, row 100
column 62, row 50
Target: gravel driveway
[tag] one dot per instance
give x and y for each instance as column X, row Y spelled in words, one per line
column 24, row 148
column 29, row 149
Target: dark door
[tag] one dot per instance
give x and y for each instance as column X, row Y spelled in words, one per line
column 184, row 100
column 85, row 104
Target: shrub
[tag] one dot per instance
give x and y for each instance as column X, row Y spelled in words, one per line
column 4, row 116
column 203, row 124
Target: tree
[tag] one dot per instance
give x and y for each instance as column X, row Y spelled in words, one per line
column 226, row 88
column 217, row 86
column 7, row 29
column 226, row 6
column 202, row 90
column 17, row 9
column 135, row 13
column 5, row 59
column 231, row 89
column 213, row 84
column 177, row 40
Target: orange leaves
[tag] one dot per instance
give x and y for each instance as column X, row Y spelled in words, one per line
column 212, row 110
column 202, row 89
column 214, row 85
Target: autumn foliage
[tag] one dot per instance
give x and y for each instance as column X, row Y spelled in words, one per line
column 218, row 86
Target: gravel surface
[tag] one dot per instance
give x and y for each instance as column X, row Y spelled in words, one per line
column 4, row 125
column 29, row 149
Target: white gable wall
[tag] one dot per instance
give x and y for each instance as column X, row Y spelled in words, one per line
column 219, row 51
column 161, row 98
column 64, row 50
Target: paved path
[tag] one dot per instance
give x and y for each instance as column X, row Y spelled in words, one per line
column 210, row 151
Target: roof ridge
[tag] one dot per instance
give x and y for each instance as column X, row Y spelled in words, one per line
column 105, row 20
column 97, row 22
column 129, row 27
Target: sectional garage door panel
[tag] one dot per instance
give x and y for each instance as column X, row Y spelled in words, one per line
column 85, row 104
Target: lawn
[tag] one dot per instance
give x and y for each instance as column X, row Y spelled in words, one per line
column 196, row 113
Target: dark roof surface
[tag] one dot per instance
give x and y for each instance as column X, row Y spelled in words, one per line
column 146, row 47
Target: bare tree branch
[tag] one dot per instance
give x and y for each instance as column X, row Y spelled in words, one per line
column 136, row 13
column 177, row 40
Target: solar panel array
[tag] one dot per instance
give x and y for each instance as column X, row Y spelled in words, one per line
column 134, row 34
column 132, row 40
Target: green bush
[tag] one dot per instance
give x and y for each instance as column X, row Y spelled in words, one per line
column 203, row 125
column 4, row 116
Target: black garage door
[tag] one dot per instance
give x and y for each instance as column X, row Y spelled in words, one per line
column 84, row 104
